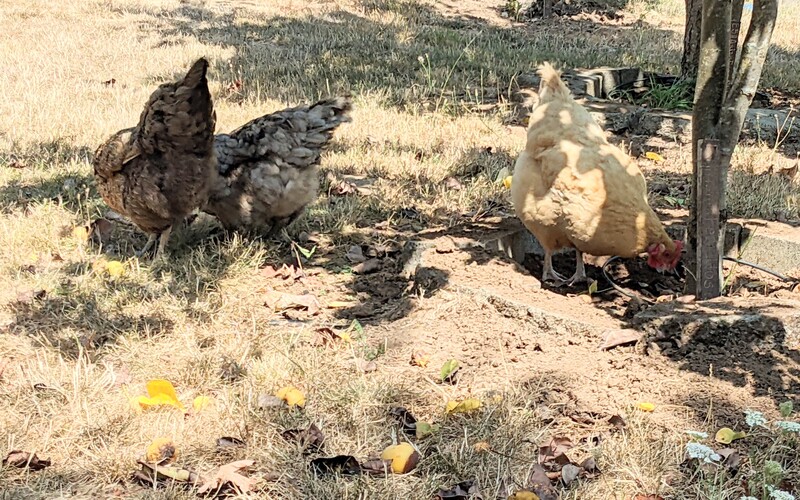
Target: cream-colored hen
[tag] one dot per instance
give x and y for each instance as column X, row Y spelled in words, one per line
column 572, row 189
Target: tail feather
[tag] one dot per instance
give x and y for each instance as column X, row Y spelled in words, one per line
column 551, row 86
column 296, row 135
column 196, row 74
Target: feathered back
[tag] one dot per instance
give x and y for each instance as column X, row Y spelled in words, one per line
column 551, row 86
column 295, row 136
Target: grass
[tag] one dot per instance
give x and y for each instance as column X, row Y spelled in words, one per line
column 433, row 94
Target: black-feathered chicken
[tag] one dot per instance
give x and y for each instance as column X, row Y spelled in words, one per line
column 268, row 168
column 159, row 171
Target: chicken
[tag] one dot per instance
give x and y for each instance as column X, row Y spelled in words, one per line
column 159, row 171
column 572, row 189
column 267, row 171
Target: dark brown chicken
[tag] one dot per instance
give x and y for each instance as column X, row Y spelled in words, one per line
column 159, row 171
column 267, row 168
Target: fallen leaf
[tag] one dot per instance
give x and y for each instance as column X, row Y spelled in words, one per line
column 310, row 439
column 645, row 406
column 448, row 371
column 342, row 464
column 554, row 448
column 269, row 401
column 590, row 466
column 81, row 233
column 328, row 336
column 115, row 268
column 727, row 435
column 482, row 447
column 228, row 476
column 650, row 155
column 539, row 483
column 161, row 451
column 338, row 304
column 618, row 422
column 507, row 181
column 160, row 393
column 406, row 420
column 292, row 395
column 618, row 337
column 228, row 442
column 278, row 301
column 730, row 458
column 355, row 254
column 420, row 359
column 101, row 229
column 28, row 296
column 523, row 495
column 425, row 429
column 367, row 267
column 465, row 406
column 376, row 467
column 465, row 490
column 403, row 456
column 201, row 403
column 453, row 183
column 151, row 474
column 569, row 473
column 25, row 460
column 365, row 366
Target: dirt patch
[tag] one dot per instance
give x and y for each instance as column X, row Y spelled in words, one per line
column 451, row 298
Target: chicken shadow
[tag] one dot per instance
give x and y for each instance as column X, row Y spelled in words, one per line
column 75, row 322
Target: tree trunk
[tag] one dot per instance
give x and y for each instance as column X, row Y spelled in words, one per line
column 712, row 79
column 722, row 98
column 736, row 26
column 691, row 39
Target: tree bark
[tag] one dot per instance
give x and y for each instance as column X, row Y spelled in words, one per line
column 691, row 39
column 736, row 25
column 722, row 98
column 712, row 79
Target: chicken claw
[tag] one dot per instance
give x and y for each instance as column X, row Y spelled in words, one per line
column 580, row 270
column 549, row 275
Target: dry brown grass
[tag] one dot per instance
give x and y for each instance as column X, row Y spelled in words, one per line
column 72, row 359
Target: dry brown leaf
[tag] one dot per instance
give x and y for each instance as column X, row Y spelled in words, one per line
column 25, row 460
column 553, row 450
column 465, row 490
column 228, row 476
column 620, row 337
column 539, row 483
column 101, row 230
column 569, row 473
column 406, row 420
column 279, row 301
column 342, row 464
column 310, row 439
column 365, row 366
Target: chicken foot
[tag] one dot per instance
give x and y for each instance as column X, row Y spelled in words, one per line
column 551, row 275
column 162, row 237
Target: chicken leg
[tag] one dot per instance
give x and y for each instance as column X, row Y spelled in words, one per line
column 151, row 239
column 549, row 274
column 162, row 237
